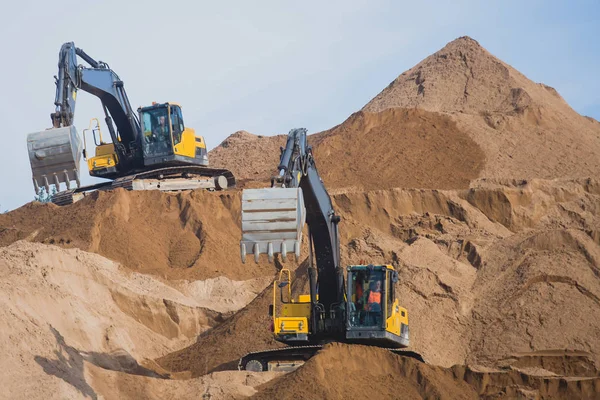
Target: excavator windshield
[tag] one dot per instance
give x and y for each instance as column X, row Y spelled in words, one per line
column 155, row 126
column 366, row 295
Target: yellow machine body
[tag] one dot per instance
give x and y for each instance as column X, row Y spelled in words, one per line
column 290, row 317
column 105, row 157
column 388, row 326
column 182, row 143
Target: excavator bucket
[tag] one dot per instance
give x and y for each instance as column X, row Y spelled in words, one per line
column 272, row 222
column 54, row 156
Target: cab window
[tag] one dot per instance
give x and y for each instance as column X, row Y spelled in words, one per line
column 176, row 124
column 367, row 291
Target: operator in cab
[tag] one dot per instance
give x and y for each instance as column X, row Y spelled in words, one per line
column 161, row 130
column 373, row 296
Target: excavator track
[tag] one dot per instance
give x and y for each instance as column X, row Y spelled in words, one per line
column 292, row 357
column 165, row 179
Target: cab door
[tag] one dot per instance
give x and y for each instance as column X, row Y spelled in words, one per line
column 183, row 142
column 156, row 128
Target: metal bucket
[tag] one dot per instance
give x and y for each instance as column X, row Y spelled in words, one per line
column 272, row 222
column 54, row 156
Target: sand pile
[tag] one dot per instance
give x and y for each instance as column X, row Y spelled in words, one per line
column 398, row 148
column 525, row 129
column 486, row 272
column 427, row 147
column 68, row 313
column 248, row 156
column 222, row 347
column 529, row 280
column 345, row 372
column 478, row 288
column 192, row 235
column 341, row 372
column 459, row 114
column 226, row 385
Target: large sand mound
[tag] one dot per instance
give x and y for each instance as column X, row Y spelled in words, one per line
column 397, row 148
column 501, row 268
column 459, row 114
column 394, row 148
column 504, row 268
column 222, row 347
column 354, row 372
column 526, row 129
column 192, row 235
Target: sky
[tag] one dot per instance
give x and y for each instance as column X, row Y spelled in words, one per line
column 269, row 66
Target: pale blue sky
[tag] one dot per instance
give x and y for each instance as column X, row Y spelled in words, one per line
column 268, row 66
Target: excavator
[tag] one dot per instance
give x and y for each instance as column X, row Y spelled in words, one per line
column 149, row 150
column 360, row 307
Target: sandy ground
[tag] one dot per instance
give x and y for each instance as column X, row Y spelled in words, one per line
column 473, row 181
column 71, row 319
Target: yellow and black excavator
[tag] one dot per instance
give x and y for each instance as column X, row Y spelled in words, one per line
column 150, row 150
column 359, row 308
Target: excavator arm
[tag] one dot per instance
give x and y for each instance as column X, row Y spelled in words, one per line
column 100, row 81
column 268, row 223
column 54, row 153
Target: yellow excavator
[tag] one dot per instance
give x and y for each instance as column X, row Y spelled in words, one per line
column 149, row 150
column 360, row 307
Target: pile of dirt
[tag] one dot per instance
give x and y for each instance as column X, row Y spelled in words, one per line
column 497, row 269
column 488, row 285
column 525, row 129
column 64, row 311
column 394, row 148
column 191, row 235
column 344, row 372
column 397, row 148
column 250, row 157
column 341, row 371
column 222, row 347
column 458, row 115
column 226, row 385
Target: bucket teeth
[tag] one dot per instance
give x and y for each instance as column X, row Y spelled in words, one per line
column 283, row 252
column 54, row 155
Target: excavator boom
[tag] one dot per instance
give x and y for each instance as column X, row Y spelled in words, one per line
column 55, row 153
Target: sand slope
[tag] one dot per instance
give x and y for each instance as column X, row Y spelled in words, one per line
column 70, row 317
column 191, row 235
column 526, row 129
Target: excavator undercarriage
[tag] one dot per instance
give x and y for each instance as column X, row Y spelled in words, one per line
column 163, row 179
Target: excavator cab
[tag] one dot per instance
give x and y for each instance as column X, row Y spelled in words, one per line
column 373, row 313
column 165, row 138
